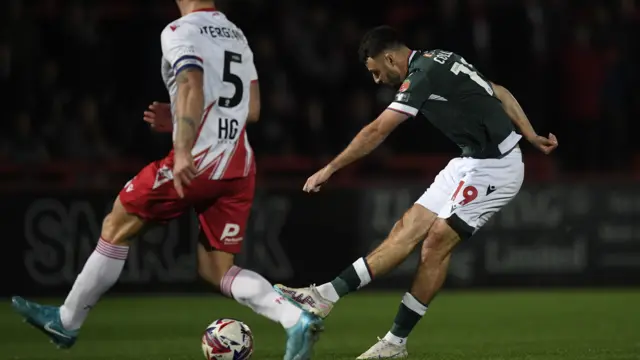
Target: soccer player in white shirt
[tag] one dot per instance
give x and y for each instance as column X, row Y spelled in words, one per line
column 208, row 70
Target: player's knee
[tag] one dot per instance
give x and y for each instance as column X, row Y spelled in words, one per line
column 413, row 226
column 439, row 242
column 119, row 226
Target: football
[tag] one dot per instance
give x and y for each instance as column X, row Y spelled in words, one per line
column 227, row 339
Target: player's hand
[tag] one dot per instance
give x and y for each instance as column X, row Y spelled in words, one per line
column 316, row 180
column 159, row 117
column 545, row 144
column 183, row 171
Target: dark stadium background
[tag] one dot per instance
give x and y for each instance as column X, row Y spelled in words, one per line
column 553, row 276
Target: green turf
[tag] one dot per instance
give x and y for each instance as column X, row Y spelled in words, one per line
column 577, row 325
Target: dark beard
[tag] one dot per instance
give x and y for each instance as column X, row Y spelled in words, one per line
column 395, row 81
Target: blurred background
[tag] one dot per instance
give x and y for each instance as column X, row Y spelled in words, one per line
column 77, row 75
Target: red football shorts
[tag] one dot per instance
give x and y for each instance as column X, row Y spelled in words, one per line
column 223, row 206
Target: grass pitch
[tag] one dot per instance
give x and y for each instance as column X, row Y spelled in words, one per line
column 545, row 325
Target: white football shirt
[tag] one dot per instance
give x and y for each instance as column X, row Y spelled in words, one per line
column 207, row 40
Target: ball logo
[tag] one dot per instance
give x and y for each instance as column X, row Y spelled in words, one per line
column 405, row 86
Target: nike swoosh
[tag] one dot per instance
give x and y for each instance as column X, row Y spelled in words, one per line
column 47, row 327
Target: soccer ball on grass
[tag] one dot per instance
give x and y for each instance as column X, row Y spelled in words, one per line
column 227, row 339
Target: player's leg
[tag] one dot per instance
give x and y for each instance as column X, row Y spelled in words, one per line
column 429, row 278
column 103, row 267
column 480, row 194
column 99, row 274
column 245, row 286
column 254, row 291
column 407, row 232
column 149, row 196
column 223, row 227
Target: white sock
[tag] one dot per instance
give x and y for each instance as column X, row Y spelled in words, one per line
column 100, row 272
column 251, row 289
column 328, row 292
column 395, row 339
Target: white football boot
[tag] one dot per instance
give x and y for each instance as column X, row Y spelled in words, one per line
column 384, row 349
column 308, row 299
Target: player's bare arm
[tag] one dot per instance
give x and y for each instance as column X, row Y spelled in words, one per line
column 189, row 111
column 367, row 140
column 189, row 108
column 254, row 102
column 514, row 110
column 519, row 118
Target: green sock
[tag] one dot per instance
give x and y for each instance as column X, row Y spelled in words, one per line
column 410, row 312
column 352, row 278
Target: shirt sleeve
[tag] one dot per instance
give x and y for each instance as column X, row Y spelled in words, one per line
column 413, row 92
column 253, row 72
column 179, row 47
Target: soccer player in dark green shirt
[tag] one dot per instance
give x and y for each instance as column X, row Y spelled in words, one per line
column 484, row 120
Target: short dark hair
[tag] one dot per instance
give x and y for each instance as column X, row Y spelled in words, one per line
column 377, row 40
